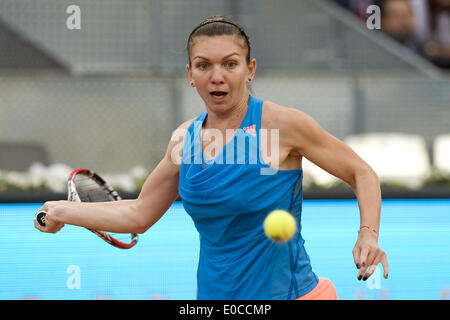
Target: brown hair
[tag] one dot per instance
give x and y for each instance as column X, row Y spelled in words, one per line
column 218, row 26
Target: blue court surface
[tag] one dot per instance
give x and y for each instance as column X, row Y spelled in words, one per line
column 76, row 264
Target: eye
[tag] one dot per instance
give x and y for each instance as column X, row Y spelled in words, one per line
column 202, row 65
column 230, row 64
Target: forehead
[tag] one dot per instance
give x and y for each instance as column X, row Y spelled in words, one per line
column 217, row 45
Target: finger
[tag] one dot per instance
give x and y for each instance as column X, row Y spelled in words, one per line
column 370, row 270
column 43, row 208
column 371, row 262
column 38, row 226
column 385, row 264
column 363, row 259
column 361, row 272
column 356, row 253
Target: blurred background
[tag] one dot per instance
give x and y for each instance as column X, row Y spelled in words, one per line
column 107, row 96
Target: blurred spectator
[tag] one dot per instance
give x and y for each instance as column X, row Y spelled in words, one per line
column 437, row 49
column 399, row 22
column 421, row 25
column 358, row 7
column 421, row 14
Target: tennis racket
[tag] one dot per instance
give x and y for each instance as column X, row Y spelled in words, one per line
column 87, row 186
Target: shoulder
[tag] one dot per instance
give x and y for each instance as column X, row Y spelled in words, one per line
column 185, row 125
column 176, row 142
column 296, row 128
column 276, row 116
column 181, row 130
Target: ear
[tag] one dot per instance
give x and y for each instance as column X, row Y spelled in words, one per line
column 189, row 74
column 251, row 70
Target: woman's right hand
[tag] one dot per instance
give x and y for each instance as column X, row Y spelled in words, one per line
column 51, row 226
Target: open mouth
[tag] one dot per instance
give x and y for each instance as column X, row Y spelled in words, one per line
column 218, row 94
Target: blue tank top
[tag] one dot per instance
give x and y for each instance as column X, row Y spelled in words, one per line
column 228, row 199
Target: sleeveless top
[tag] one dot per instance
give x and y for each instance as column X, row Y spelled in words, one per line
column 228, row 198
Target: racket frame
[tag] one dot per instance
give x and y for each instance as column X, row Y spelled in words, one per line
column 74, row 196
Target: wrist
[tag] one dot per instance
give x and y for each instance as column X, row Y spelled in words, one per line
column 368, row 230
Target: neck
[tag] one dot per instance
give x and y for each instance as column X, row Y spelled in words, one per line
column 231, row 119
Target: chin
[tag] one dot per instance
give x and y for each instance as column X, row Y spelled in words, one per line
column 217, row 104
column 218, row 107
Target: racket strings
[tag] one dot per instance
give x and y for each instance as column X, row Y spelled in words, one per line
column 90, row 190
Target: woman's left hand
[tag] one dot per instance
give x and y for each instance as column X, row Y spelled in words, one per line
column 367, row 254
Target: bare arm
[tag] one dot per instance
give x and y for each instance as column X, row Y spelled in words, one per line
column 310, row 140
column 335, row 157
column 160, row 190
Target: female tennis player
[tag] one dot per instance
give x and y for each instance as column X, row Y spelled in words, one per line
column 229, row 183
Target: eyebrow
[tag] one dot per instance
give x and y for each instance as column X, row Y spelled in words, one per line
column 227, row 56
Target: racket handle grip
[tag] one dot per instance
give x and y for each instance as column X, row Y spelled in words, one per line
column 40, row 218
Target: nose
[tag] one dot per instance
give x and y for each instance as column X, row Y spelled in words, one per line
column 217, row 76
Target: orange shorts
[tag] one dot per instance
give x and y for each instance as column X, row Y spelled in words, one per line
column 324, row 290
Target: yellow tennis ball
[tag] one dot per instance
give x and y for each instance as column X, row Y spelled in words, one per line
column 279, row 225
